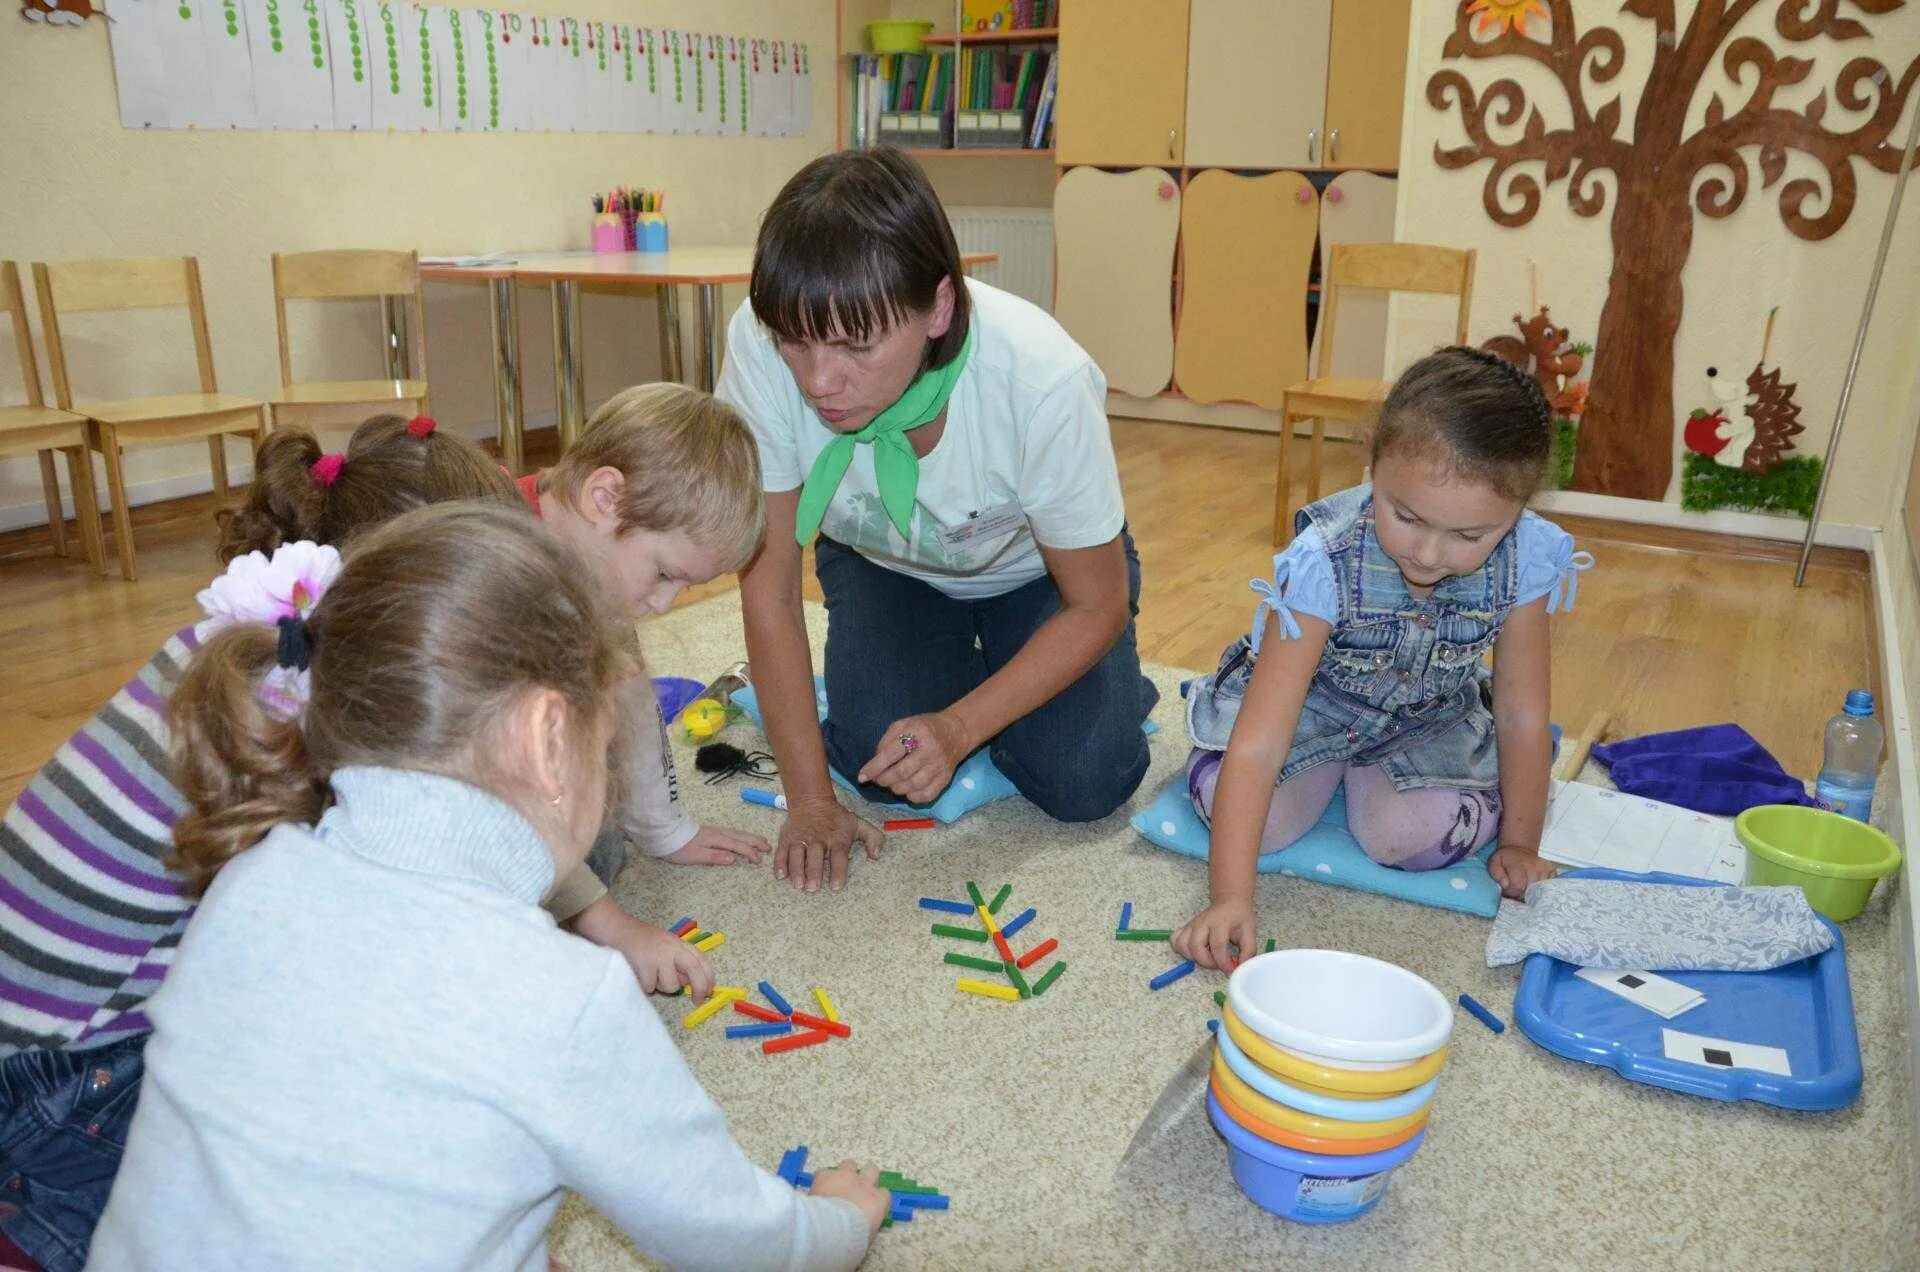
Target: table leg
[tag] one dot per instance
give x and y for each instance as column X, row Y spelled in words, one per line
column 509, row 403
column 568, row 376
column 672, row 366
column 393, row 316
column 707, row 365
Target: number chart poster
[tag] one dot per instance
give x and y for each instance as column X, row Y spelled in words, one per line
column 363, row 65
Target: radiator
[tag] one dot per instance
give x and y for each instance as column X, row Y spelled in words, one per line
column 1024, row 239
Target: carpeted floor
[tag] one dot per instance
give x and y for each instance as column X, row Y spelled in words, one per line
column 1021, row 1111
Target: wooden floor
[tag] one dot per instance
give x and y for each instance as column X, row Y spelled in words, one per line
column 1663, row 636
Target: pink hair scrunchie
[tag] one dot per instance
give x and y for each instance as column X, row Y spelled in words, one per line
column 421, row 425
column 326, row 470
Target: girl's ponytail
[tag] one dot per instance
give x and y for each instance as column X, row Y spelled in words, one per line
column 283, row 503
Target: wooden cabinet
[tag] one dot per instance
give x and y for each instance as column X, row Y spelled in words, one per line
column 1357, row 207
column 1366, row 83
column 1256, row 81
column 1113, row 271
column 1246, row 252
column 1123, row 82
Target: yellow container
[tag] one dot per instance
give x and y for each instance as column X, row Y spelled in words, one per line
column 1277, row 1114
column 897, row 36
column 1351, row 1084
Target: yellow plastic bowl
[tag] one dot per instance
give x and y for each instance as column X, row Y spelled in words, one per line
column 1277, row 1114
column 897, row 36
column 1309, row 1143
column 1835, row 860
column 1351, row 1084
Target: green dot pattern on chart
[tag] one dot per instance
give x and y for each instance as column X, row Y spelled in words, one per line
column 273, row 25
column 186, row 13
column 629, row 53
column 459, row 64
column 653, row 76
column 393, row 53
column 426, row 66
column 743, row 94
column 679, row 94
column 493, row 83
column 353, row 40
column 721, row 79
column 231, row 12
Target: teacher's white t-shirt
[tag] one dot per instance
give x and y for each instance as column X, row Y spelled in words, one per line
column 1026, row 459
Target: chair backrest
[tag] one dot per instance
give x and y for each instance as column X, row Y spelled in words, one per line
column 15, row 303
column 104, row 285
column 1393, row 267
column 348, row 275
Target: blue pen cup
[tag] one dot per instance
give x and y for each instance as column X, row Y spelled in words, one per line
column 653, row 232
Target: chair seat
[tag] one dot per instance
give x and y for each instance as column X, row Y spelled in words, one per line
column 171, row 406
column 40, row 428
column 1336, row 397
column 344, row 392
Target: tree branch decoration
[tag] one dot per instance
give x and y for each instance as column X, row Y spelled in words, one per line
column 1661, row 175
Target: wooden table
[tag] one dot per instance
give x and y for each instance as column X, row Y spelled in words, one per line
column 705, row 269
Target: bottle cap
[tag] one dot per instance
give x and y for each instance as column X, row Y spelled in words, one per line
column 1859, row 702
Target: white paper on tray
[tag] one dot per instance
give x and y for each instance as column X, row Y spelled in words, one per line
column 1717, row 1053
column 1663, row 997
column 1593, row 826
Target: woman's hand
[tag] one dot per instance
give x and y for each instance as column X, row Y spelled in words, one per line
column 916, row 756
column 816, row 841
column 720, row 846
column 1516, row 869
column 1210, row 937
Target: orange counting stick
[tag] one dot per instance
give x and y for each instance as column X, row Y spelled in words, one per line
column 758, row 1012
column 1037, row 953
column 811, row 1038
column 834, row 1027
column 909, row 823
column 1006, row 951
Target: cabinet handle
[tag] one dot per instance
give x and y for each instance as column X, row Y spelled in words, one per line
column 1333, row 145
column 1170, row 133
column 1313, row 145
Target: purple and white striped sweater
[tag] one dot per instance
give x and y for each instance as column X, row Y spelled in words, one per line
column 89, row 914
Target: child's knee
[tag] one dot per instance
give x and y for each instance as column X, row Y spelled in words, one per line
column 1427, row 832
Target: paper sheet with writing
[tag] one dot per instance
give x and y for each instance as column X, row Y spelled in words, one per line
column 1593, row 826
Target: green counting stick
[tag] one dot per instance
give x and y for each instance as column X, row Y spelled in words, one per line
column 973, row 891
column 1144, row 934
column 978, row 964
column 999, row 898
column 1053, row 974
column 959, row 933
column 1270, row 944
column 1019, row 981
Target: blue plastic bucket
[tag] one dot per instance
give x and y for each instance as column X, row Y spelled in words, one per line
column 1307, row 1187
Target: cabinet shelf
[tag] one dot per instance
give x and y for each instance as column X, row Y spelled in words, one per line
column 1025, row 36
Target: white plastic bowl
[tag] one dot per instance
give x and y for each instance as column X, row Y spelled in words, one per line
column 1343, row 1010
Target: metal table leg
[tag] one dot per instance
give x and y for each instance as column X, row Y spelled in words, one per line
column 672, row 366
column 707, row 366
column 569, row 387
column 509, row 404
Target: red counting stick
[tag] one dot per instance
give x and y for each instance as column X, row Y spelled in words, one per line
column 758, row 1012
column 1006, row 951
column 909, row 823
column 812, row 1038
column 834, row 1027
column 1037, row 953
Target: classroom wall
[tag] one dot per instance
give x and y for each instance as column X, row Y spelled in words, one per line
column 73, row 183
column 1739, row 266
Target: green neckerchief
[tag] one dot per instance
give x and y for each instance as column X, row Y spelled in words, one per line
column 896, row 469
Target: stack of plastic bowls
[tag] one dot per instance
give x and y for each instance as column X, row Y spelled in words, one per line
column 1324, row 1074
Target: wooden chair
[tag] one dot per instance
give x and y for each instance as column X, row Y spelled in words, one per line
column 385, row 276
column 160, row 283
column 1402, row 267
column 42, row 429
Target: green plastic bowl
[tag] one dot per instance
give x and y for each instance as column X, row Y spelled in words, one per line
column 1835, row 860
column 897, row 35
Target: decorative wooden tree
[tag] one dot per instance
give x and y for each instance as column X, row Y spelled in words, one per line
column 1626, row 441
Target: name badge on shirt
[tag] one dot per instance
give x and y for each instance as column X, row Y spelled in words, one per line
column 983, row 526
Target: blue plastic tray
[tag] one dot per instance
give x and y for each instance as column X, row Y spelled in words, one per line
column 1804, row 1008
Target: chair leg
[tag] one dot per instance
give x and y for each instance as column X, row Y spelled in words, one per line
column 86, row 505
column 50, row 487
column 1283, row 482
column 217, row 452
column 109, row 443
column 1315, row 460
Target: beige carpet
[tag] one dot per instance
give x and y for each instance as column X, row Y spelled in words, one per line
column 1021, row 1111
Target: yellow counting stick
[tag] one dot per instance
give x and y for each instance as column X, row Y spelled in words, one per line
column 985, row 990
column 826, row 1005
column 721, row 996
column 713, row 942
column 986, row 917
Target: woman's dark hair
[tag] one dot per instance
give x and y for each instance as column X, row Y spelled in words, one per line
column 1478, row 414
column 854, row 243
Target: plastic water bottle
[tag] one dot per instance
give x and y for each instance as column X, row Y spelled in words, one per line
column 1854, row 739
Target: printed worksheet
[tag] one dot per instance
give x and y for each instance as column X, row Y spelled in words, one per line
column 292, row 87
column 1594, row 826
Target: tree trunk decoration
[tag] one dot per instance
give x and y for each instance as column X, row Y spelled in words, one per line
column 1626, row 443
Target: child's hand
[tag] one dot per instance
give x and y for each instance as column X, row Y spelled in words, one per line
column 720, row 846
column 1208, row 937
column 662, row 962
column 849, row 1182
column 1517, row 869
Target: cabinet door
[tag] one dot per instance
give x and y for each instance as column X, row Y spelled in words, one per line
column 1256, row 82
column 1366, row 83
column 1123, row 82
column 1358, row 207
column 1113, row 262
column 1246, row 249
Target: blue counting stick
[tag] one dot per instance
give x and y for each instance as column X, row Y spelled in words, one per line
column 792, row 1162
column 922, row 1201
column 1019, row 921
column 1126, row 916
column 900, row 1213
column 772, row 995
column 767, row 1030
column 1213, row 1026
column 1164, row 979
column 1482, row 1015
column 803, row 1180
column 949, row 907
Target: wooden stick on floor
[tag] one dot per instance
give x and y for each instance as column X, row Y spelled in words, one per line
column 1574, row 758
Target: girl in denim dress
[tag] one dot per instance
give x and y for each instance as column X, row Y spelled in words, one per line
column 1365, row 665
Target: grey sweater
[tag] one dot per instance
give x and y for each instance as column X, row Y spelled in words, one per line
column 376, row 1050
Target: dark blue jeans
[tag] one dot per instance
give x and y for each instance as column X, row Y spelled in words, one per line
column 63, row 1126
column 898, row 647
